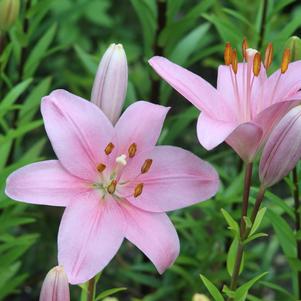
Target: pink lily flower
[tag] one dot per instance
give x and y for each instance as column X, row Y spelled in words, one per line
column 246, row 104
column 114, row 182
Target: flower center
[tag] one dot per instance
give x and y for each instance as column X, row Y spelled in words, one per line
column 110, row 178
column 243, row 84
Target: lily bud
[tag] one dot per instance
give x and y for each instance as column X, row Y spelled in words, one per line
column 55, row 286
column 294, row 44
column 282, row 150
column 110, row 84
column 9, row 12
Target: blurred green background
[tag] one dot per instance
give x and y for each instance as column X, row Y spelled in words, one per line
column 58, row 44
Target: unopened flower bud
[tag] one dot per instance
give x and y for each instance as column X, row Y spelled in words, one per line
column 110, row 84
column 9, row 12
column 294, row 44
column 55, row 286
column 282, row 150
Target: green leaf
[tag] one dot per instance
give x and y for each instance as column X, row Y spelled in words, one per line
column 231, row 257
column 32, row 102
column 38, row 52
column 258, row 220
column 14, row 94
column 298, row 235
column 248, row 222
column 188, row 44
column 88, row 61
column 284, row 234
column 233, row 225
column 147, row 15
column 213, row 290
column 252, row 237
column 242, row 291
column 109, row 292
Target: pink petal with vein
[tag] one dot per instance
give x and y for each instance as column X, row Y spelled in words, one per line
column 45, row 183
column 78, row 131
column 90, row 234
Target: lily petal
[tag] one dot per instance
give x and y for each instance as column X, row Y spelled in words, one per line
column 90, row 234
column 195, row 89
column 78, row 131
column 283, row 87
column 245, row 140
column 154, row 235
column 233, row 88
column 141, row 123
column 45, row 183
column 176, row 179
column 269, row 117
column 212, row 132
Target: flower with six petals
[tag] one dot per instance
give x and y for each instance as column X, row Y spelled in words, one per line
column 246, row 104
column 114, row 182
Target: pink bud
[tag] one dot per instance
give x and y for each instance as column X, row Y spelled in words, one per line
column 110, row 84
column 55, row 286
column 282, row 150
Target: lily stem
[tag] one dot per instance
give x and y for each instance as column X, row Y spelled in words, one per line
column 246, row 193
column 91, row 289
column 244, row 234
column 297, row 222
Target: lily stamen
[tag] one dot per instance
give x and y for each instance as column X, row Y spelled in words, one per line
column 132, row 150
column 112, row 187
column 146, row 166
column 109, row 148
column 268, row 57
column 138, row 190
column 101, row 167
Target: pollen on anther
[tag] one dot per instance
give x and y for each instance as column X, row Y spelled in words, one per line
column 268, row 57
column 234, row 61
column 132, row 150
column 285, row 60
column 138, row 190
column 109, row 148
column 257, row 64
column 112, row 187
column 228, row 54
column 101, row 167
column 244, row 48
column 146, row 165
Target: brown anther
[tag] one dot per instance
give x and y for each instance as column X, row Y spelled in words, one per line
column 285, row 60
column 234, row 61
column 244, row 48
column 228, row 54
column 146, row 165
column 138, row 190
column 268, row 57
column 109, row 148
column 101, row 167
column 112, row 187
column 132, row 150
column 256, row 64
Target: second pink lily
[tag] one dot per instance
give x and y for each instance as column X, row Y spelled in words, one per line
column 246, row 104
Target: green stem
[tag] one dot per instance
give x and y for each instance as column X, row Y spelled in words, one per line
column 91, row 289
column 297, row 222
column 246, row 193
column 244, row 235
